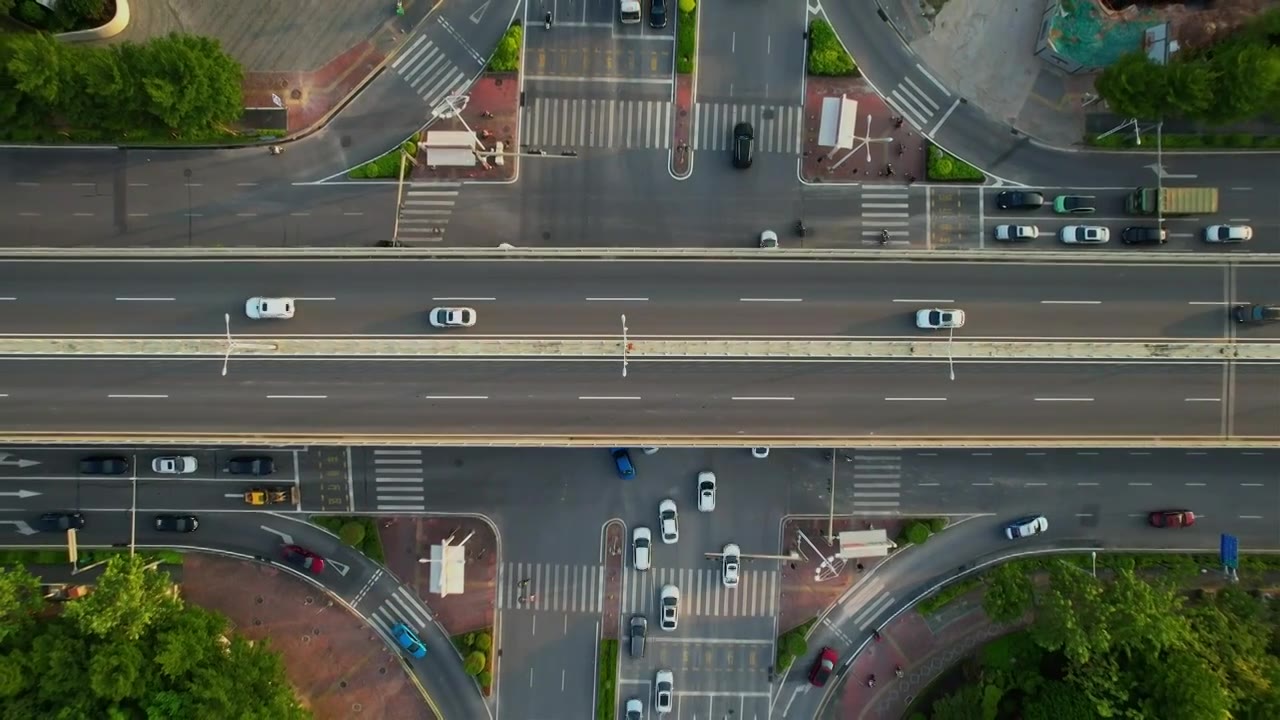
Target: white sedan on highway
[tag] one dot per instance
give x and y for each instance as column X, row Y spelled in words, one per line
column 641, row 548
column 174, row 465
column 668, row 521
column 706, row 491
column 447, row 317
column 1084, row 235
column 1017, row 233
column 269, row 308
column 731, row 565
column 939, row 318
column 1228, row 233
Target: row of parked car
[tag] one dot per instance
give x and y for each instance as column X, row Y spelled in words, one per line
column 1095, row 234
column 258, row 465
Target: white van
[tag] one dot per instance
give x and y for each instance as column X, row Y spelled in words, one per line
column 630, row 11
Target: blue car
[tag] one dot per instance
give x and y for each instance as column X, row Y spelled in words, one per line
column 622, row 460
column 408, row 641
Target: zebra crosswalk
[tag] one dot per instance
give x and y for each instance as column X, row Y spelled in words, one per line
column 702, row 592
column 777, row 127
column 555, row 123
column 425, row 68
column 400, row 606
column 425, row 210
column 552, row 586
column 398, row 480
column 886, row 208
column 877, row 484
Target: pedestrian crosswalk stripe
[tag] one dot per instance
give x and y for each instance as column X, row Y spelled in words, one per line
column 557, row 124
column 397, row 476
column 777, row 127
column 428, row 73
column 425, row 209
column 702, row 592
column 561, row 587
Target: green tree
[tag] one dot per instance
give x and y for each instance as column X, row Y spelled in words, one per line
column 474, row 663
column 506, row 57
column 1135, row 87
column 19, row 601
column 1246, row 76
column 1009, row 593
column 963, row 704
column 118, row 671
column 1057, row 700
column 1191, row 88
column 188, row 83
column 34, row 64
column 687, row 6
column 129, row 600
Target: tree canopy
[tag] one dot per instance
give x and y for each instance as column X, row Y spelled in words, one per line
column 1124, row 647
column 131, row 649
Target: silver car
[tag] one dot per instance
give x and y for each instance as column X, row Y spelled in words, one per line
column 1084, row 235
column 664, row 691
column 1017, row 233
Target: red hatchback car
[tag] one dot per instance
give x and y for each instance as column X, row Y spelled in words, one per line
column 303, row 559
column 823, row 667
column 1172, row 518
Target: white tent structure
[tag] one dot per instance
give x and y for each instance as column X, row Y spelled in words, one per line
column 837, row 126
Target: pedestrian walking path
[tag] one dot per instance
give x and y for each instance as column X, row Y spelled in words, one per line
column 885, row 208
column 425, row 68
column 914, row 97
column 877, row 484
column 425, row 210
column 701, row 592
column 398, row 480
column 551, row 586
column 777, row 127
column 401, row 607
column 569, row 123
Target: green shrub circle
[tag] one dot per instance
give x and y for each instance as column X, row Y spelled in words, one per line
column 483, row 641
column 352, row 533
column 485, row 678
column 917, row 533
column 796, row 644
column 937, row 524
column 474, row 663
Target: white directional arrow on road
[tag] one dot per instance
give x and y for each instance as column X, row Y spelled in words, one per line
column 342, row 569
column 479, row 13
column 284, row 536
column 20, row 525
column 1159, row 170
column 17, row 461
column 24, row 494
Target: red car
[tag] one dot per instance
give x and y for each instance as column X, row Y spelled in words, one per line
column 1172, row 518
column 823, row 667
column 303, row 559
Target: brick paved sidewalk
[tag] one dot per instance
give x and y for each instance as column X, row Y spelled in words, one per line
column 338, row 664
column 803, row 596
column 492, row 112
column 406, row 539
column 681, row 154
column 886, row 141
column 615, row 544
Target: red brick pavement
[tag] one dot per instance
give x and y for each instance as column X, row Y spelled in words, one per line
column 905, row 149
column 337, row 664
column 682, row 157
column 311, row 96
column 614, row 543
column 496, row 95
column 405, row 539
column 803, row 596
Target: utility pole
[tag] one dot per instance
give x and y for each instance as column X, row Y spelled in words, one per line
column 624, row 345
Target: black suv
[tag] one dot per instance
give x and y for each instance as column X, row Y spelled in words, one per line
column 658, row 13
column 104, row 465
column 1144, row 235
column 1256, row 313
column 60, row 522
column 251, row 465
column 743, row 136
column 1019, row 200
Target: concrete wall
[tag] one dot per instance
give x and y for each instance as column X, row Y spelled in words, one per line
column 114, row 26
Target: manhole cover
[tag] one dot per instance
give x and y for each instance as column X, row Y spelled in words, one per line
column 315, row 631
column 295, row 94
column 382, row 671
column 256, row 621
column 497, row 81
column 308, row 600
column 306, row 639
column 357, row 707
column 546, row 235
column 342, row 683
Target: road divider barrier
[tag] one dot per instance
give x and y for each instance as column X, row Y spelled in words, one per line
column 640, row 349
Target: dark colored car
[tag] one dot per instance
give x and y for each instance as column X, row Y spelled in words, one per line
column 1019, row 200
column 251, row 465
column 1172, row 518
column 176, row 523
column 60, row 521
column 743, row 137
column 639, row 630
column 823, row 667
column 658, row 13
column 1144, row 235
column 104, row 465
column 622, row 462
column 1256, row 313
column 303, row 559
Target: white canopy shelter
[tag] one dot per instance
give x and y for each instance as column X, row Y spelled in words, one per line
column 839, row 118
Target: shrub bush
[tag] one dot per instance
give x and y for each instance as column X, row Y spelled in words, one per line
column 937, row 525
column 686, row 38
column 474, row 663
column 796, row 644
column 485, row 678
column 352, row 533
column 826, row 55
column 482, row 641
column 506, row 58
column 943, row 166
column 783, row 661
column 917, row 532
column 606, row 674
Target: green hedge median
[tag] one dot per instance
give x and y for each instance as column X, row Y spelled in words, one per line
column 1174, row 142
column 607, row 681
column 359, row 532
column 388, row 166
column 826, row 54
column 791, row 645
column 507, row 57
column 945, row 167
column 686, row 37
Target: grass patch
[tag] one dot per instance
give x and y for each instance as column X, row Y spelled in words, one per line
column 477, row 656
column 947, row 595
column 506, row 58
column 826, row 54
column 86, row 556
column 792, row 644
column 357, row 531
column 1236, row 141
column 607, row 681
column 388, row 166
column 945, row 167
column 686, row 40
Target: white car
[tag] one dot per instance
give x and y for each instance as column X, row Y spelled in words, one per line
column 706, row 491
column 1085, row 235
column 664, row 691
column 769, row 240
column 731, row 565
column 760, row 452
column 269, row 308
column 939, row 318
column 1228, row 233
column 445, row 317
column 1026, row 527
column 670, row 608
column 174, row 465
column 641, row 548
column 635, row 709
column 668, row 522
column 651, row 451
column 1017, row 233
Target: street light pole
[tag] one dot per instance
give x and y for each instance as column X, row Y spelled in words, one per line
column 624, row 345
column 951, row 364
column 186, row 173
column 226, row 317
column 831, row 505
column 133, row 509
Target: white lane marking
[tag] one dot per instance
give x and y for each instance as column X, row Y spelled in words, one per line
column 457, row 299
column 761, row 397
column 1241, row 484
column 1063, row 399
column 1201, row 399
column 297, row 397
column 8, row 298
column 1250, row 517
column 1139, row 484
column 770, row 300
column 913, row 399
column 1207, row 302
column 950, row 110
column 1035, row 484
column 920, row 300
column 1070, row 302
column 617, row 299
column 608, row 397
column 455, row 397
column 315, row 299
column 1194, row 484
column 145, row 299
column 122, row 397
column 4, row 395
column 1086, row 484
